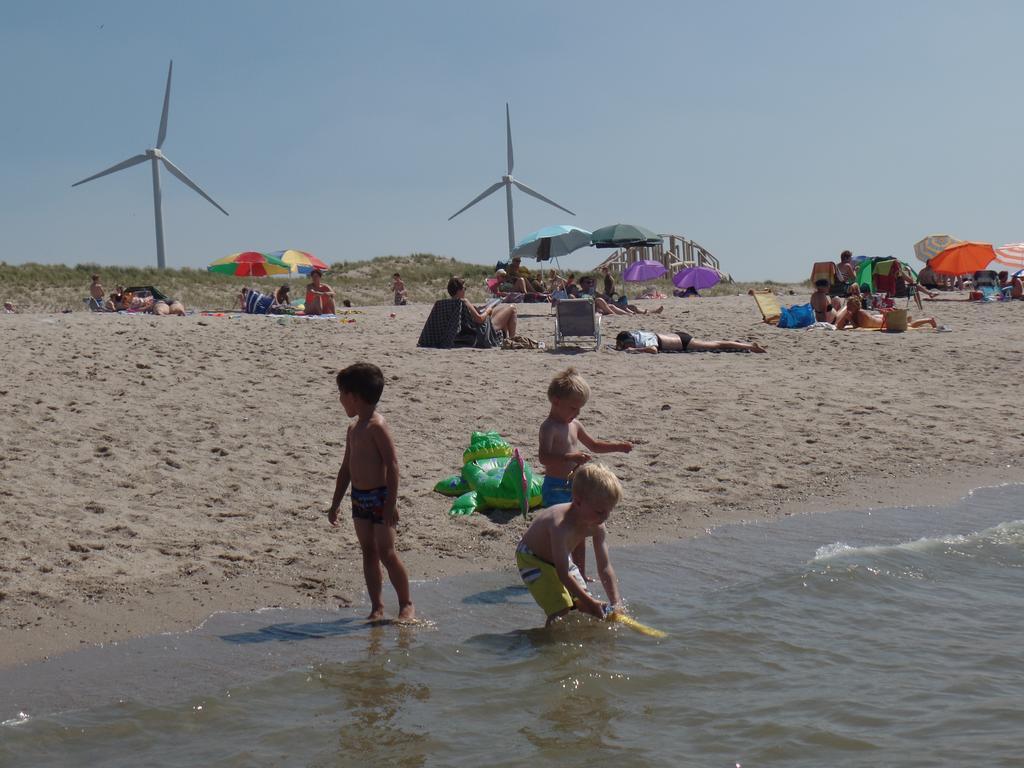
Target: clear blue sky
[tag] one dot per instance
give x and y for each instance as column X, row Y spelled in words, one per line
column 774, row 134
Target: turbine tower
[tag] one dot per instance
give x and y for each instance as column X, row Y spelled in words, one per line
column 156, row 156
column 507, row 181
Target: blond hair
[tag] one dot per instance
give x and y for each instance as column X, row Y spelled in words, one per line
column 594, row 482
column 569, row 385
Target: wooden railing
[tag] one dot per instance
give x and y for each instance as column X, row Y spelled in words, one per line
column 678, row 254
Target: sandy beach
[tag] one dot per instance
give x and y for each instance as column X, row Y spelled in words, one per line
column 156, row 470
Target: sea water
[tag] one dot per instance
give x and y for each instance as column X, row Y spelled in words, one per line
column 875, row 638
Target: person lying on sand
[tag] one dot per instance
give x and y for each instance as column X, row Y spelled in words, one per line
column 169, row 307
column 680, row 341
column 854, row 316
column 588, row 287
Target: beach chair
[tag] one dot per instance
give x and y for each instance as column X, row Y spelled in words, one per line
column 769, row 305
column 826, row 270
column 576, row 318
column 987, row 281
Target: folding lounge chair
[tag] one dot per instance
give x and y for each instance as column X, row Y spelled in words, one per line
column 577, row 318
column 826, row 270
column 769, row 305
column 987, row 281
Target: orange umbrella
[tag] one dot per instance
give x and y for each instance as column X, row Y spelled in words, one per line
column 961, row 258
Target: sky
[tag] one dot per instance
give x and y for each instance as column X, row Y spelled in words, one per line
column 774, row 134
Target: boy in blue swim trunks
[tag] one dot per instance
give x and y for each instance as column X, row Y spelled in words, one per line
column 371, row 465
column 543, row 553
column 560, row 438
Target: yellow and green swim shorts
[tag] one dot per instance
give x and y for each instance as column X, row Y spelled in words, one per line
column 542, row 580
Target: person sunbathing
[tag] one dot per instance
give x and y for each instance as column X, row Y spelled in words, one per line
column 588, row 287
column 169, row 307
column 854, row 316
column 129, row 302
column 824, row 307
column 680, row 341
column 652, row 293
column 1015, row 285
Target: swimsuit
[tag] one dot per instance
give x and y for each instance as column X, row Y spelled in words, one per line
column 555, row 490
column 685, row 338
column 369, row 505
column 542, row 580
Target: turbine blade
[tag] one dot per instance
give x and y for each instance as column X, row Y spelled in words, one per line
column 189, row 183
column 114, row 168
column 539, row 196
column 508, row 135
column 478, row 198
column 167, row 103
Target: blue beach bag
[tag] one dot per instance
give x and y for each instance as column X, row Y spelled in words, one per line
column 797, row 316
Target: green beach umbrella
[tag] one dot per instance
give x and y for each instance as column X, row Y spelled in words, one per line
column 624, row 236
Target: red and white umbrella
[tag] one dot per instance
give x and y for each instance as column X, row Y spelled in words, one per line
column 1011, row 255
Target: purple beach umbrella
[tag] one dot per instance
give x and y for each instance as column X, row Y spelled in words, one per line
column 697, row 278
column 645, row 269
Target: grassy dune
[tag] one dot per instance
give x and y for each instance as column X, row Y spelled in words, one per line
column 53, row 288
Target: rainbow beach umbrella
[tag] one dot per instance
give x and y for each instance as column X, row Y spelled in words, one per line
column 300, row 262
column 249, row 264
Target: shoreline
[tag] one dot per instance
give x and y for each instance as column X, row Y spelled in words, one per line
column 159, row 470
column 164, row 624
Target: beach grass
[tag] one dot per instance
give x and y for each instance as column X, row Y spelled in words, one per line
column 58, row 287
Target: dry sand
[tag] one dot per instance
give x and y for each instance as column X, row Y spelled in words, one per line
column 155, row 470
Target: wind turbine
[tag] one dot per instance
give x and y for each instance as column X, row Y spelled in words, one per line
column 507, row 181
column 156, row 156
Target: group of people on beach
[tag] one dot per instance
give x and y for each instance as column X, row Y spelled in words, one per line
column 320, row 299
column 123, row 299
column 515, row 279
column 845, row 304
column 579, row 495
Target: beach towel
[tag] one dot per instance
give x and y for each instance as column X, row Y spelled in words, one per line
column 257, row 303
column 449, row 324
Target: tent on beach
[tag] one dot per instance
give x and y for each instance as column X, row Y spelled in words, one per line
column 885, row 274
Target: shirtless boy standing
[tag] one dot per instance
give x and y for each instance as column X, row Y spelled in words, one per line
column 371, row 465
column 560, row 438
column 96, row 290
column 543, row 558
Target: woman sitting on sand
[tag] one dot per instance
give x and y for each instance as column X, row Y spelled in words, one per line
column 680, row 341
column 855, row 316
column 319, row 296
column 504, row 317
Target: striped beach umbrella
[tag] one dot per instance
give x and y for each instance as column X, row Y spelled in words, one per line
column 249, row 264
column 932, row 246
column 1011, row 255
column 300, row 262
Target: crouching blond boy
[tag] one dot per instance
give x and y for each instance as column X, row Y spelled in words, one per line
column 544, row 554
